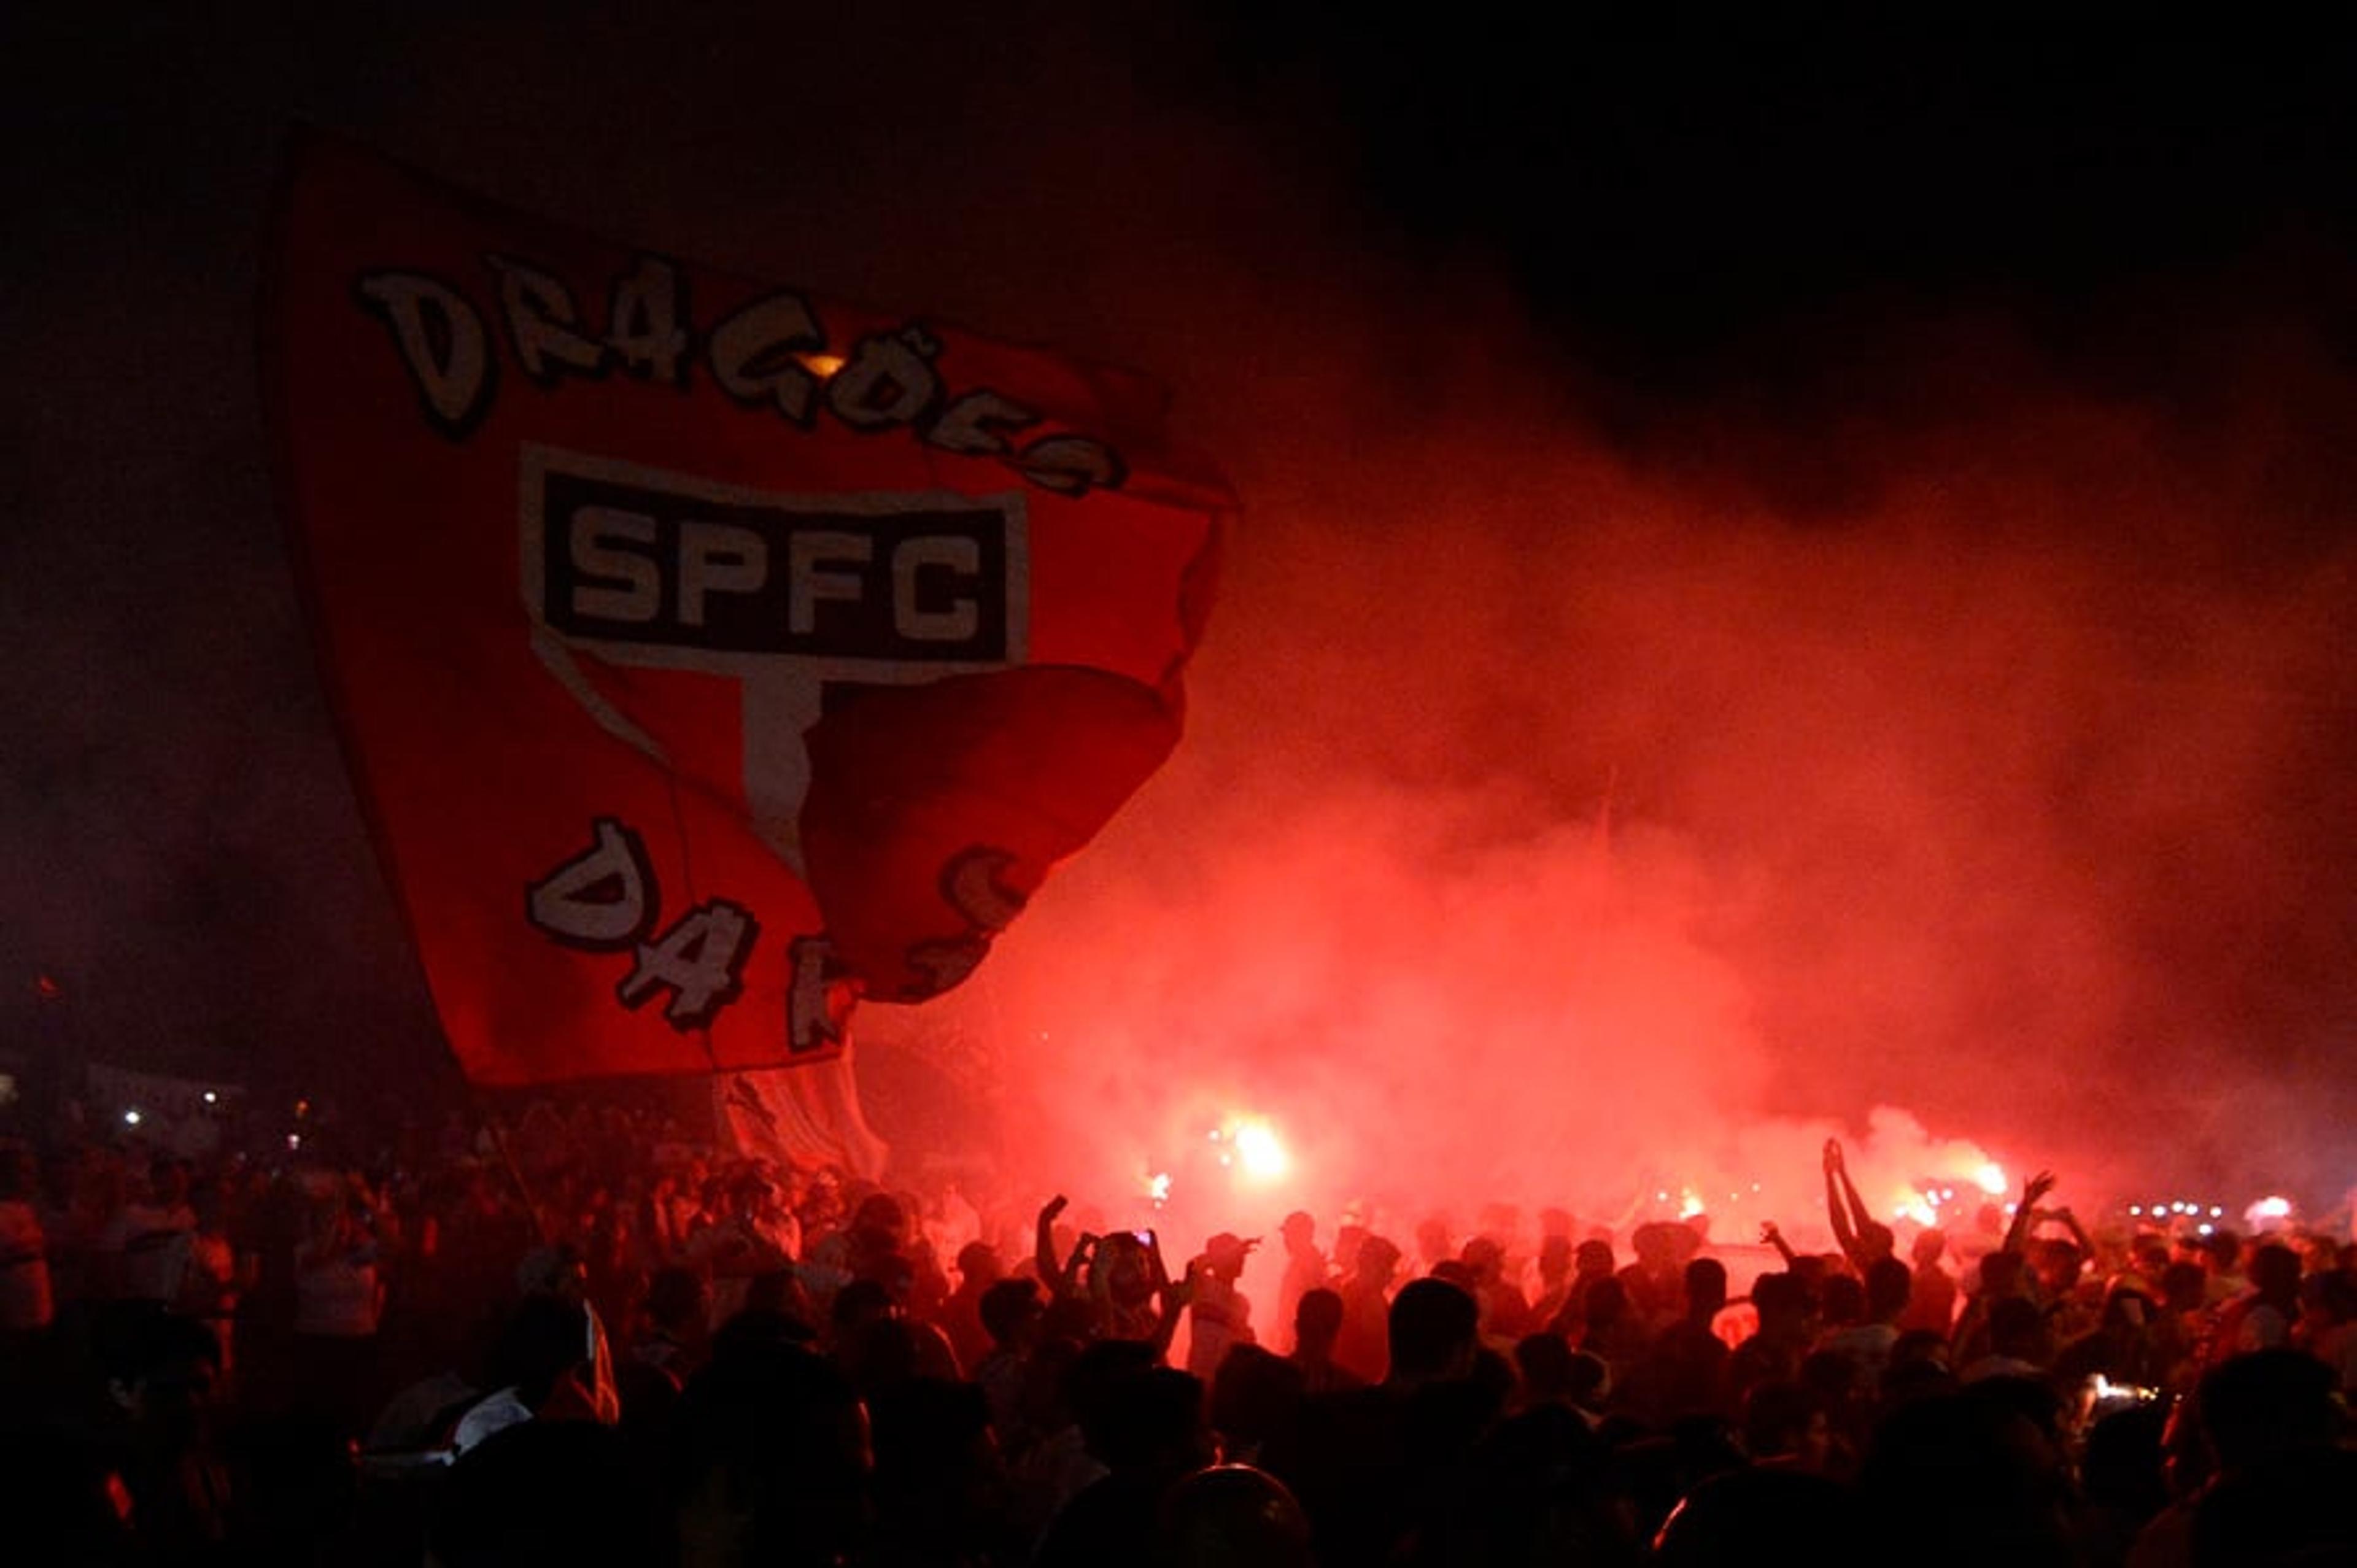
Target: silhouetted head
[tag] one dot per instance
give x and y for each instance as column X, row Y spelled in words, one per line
column 1705, row 1288
column 978, row 1266
column 2017, row 1328
column 1888, row 1285
column 1434, row 1329
column 1378, row 1261
column 1545, row 1362
column 1232, row 1516
column 1317, row 1318
column 1968, row 1481
column 2265, row 1402
column 1225, row 1253
column 2275, row 1271
column 1012, row 1311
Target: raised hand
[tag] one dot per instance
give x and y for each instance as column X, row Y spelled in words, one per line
column 1832, row 1156
column 1054, row 1207
column 2036, row 1188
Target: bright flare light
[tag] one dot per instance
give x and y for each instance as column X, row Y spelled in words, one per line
column 1264, row 1157
column 2271, row 1209
column 1157, row 1186
column 1990, row 1179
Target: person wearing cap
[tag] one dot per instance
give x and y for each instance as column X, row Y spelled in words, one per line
column 1219, row 1316
column 1305, row 1265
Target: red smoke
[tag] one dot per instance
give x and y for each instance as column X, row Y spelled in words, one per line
column 1970, row 700
column 1570, row 819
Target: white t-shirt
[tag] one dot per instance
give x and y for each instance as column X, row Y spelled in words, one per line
column 1219, row 1319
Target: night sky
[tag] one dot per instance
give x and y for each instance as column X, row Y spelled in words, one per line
column 1902, row 477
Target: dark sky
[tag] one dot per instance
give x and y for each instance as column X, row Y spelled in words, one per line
column 1989, row 385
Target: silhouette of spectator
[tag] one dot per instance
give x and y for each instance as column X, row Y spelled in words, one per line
column 1889, row 1286
column 1146, row 1424
column 960, row 1315
column 1685, row 1372
column 1613, row 1333
column 1372, row 1464
column 1786, row 1424
column 1012, row 1316
column 1219, row 1314
column 1255, row 1401
column 1361, row 1349
column 2268, row 1485
column 1316, row 1330
column 1774, row 1352
column 1539, row 1487
column 940, row 1492
column 1965, row 1482
column 2020, row 1345
column 1231, row 1516
column 1933, row 1292
column 548, row 1495
column 1505, row 1313
column 1862, row 1237
column 769, row 1460
column 1305, row 1265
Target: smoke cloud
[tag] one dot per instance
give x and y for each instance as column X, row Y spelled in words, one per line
column 1922, row 724
column 1558, row 826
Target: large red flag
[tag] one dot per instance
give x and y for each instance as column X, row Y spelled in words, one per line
column 707, row 654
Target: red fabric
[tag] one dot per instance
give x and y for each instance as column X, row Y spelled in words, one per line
column 592, row 596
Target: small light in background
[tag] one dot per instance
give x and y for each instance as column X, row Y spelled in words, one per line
column 131, row 1119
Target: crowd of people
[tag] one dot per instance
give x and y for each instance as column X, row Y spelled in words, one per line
column 583, row 1339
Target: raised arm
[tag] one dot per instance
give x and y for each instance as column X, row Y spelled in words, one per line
column 1043, row 1244
column 1774, row 1237
column 1861, row 1218
column 2033, row 1189
column 2070, row 1222
column 1837, row 1208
